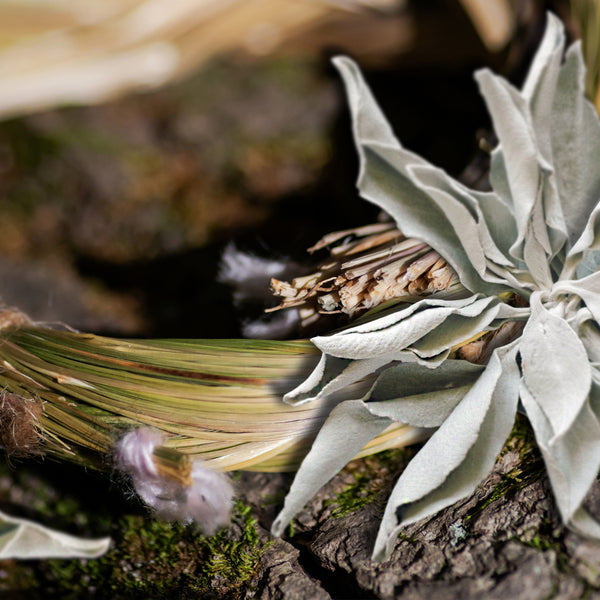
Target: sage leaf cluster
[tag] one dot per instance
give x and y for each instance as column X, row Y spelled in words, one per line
column 536, row 235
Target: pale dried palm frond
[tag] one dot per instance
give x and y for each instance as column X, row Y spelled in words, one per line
column 88, row 51
column 494, row 21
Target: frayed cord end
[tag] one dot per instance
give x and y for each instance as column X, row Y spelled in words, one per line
column 207, row 501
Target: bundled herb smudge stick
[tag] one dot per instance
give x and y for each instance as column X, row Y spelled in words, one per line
column 171, row 414
column 520, row 300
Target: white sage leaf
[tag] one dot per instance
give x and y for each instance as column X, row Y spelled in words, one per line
column 369, row 122
column 575, row 130
column 25, row 539
column 556, row 370
column 584, row 524
column 459, row 454
column 587, row 288
column 584, row 256
column 540, row 85
column 514, row 129
column 461, row 206
column 388, row 182
column 589, row 334
column 397, row 331
column 525, row 169
column 542, row 91
column 572, row 460
column 590, row 263
column 552, row 44
column 385, row 179
column 327, row 369
column 402, row 394
column 421, row 397
column 497, row 212
column 465, row 325
column 334, row 374
column 348, row 428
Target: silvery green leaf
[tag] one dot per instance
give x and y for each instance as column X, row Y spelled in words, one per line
column 581, row 521
column 555, row 367
column 388, row 183
column 459, row 454
column 422, row 397
column 589, row 264
column 465, row 325
column 386, row 179
column 333, row 374
column 541, row 91
column 595, row 391
column 548, row 52
column 461, row 206
column 406, row 393
column 512, row 124
column 589, row 334
column 584, row 524
column 348, row 428
column 572, row 460
column 368, row 121
column 536, row 96
column 337, row 368
column 397, row 331
column 24, row 539
column 359, row 351
column 588, row 245
column 575, row 130
column 327, row 369
column 525, row 169
column 587, row 288
column 540, row 85
column 496, row 211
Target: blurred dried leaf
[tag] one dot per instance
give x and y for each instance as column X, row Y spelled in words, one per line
column 86, row 52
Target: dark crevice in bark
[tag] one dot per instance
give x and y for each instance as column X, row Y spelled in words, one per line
column 338, row 583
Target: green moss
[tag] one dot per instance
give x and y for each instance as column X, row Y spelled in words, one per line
column 371, row 476
column 149, row 558
column 353, row 497
column 403, row 537
column 235, row 560
column 529, row 468
column 152, row 558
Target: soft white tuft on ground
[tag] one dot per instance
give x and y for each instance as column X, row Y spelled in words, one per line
column 206, row 502
column 277, row 326
column 250, row 275
column 250, row 278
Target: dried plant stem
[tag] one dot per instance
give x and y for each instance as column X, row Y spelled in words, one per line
column 217, row 400
column 366, row 267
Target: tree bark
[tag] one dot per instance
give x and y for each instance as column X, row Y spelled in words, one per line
column 504, row 541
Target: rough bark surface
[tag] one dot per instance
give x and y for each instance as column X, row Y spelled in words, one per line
column 505, row 541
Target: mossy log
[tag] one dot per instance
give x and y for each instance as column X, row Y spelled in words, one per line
column 504, row 541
